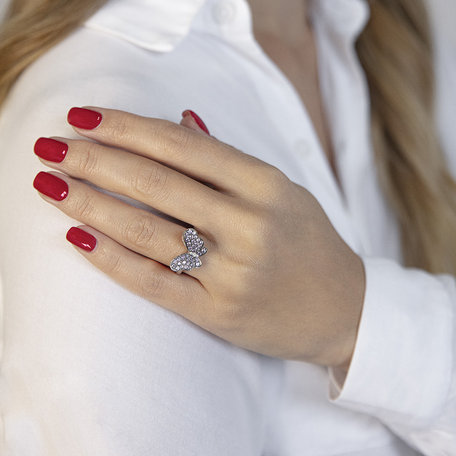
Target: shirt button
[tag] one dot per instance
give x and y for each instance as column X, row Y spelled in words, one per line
column 302, row 147
column 224, row 12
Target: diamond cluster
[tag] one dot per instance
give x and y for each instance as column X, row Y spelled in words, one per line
column 189, row 260
column 193, row 242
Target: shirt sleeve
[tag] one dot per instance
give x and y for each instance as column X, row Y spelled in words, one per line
column 403, row 368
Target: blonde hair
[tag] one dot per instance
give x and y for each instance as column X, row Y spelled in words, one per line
column 395, row 50
column 31, row 27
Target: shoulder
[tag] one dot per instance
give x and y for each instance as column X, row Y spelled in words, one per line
column 89, row 67
column 84, row 67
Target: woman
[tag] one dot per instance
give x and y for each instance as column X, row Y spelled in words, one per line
column 318, row 315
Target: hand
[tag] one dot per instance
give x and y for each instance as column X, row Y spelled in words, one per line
column 277, row 278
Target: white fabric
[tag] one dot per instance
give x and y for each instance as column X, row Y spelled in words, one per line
column 88, row 368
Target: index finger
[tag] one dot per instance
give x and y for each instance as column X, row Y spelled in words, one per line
column 199, row 156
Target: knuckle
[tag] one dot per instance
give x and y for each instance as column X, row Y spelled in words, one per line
column 256, row 228
column 274, row 177
column 260, row 224
column 84, row 207
column 229, row 318
column 140, row 231
column 113, row 264
column 150, row 284
column 149, row 180
column 270, row 183
column 87, row 159
column 175, row 138
column 252, row 252
column 229, row 313
column 118, row 128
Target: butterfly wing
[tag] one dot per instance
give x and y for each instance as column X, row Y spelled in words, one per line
column 193, row 242
column 185, row 262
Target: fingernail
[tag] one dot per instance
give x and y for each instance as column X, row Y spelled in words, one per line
column 198, row 120
column 51, row 186
column 81, row 238
column 84, row 118
column 50, row 149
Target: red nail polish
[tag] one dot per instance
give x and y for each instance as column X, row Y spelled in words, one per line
column 198, row 120
column 50, row 149
column 51, row 186
column 81, row 238
column 84, row 118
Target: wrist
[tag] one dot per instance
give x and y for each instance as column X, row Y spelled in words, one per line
column 352, row 304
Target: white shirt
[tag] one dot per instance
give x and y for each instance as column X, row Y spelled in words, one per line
column 88, row 368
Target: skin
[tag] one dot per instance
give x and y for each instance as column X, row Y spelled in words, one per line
column 285, row 33
column 304, row 303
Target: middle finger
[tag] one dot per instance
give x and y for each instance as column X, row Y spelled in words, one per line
column 138, row 177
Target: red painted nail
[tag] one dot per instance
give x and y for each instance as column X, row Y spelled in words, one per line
column 198, row 120
column 51, row 186
column 84, row 118
column 50, row 149
column 81, row 238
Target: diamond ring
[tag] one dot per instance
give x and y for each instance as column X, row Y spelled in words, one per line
column 190, row 259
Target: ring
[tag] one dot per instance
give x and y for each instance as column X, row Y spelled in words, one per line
column 190, row 259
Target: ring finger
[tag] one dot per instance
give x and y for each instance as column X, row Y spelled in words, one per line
column 137, row 229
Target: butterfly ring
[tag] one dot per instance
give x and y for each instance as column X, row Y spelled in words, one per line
column 190, row 259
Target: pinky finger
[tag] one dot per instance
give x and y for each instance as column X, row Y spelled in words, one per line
column 180, row 293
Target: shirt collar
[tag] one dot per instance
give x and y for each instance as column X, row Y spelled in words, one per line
column 159, row 25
